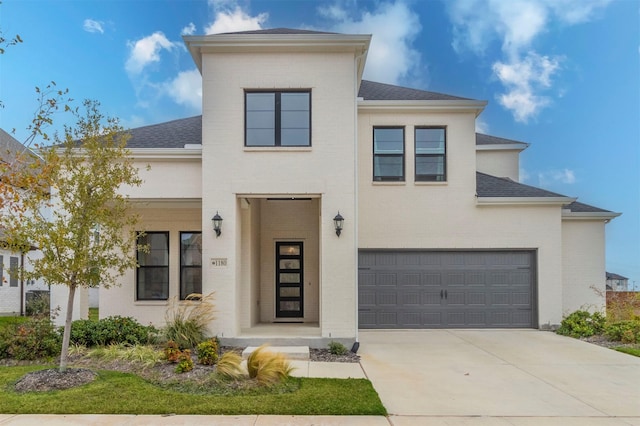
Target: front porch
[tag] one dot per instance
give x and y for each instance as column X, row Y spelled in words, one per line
column 282, row 334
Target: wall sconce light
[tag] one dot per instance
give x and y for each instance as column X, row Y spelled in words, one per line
column 338, row 221
column 217, row 224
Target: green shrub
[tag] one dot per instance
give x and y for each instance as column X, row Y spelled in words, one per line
column 111, row 330
column 37, row 305
column 208, row 352
column 185, row 363
column 624, row 331
column 187, row 320
column 34, row 338
column 582, row 324
column 337, row 348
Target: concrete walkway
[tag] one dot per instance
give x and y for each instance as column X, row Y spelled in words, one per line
column 499, row 377
column 454, row 378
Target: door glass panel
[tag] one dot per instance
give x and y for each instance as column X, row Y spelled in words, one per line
column 290, row 278
column 289, row 263
column 290, row 250
column 289, row 306
column 289, row 291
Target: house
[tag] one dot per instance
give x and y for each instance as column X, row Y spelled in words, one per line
column 616, row 282
column 13, row 289
column 315, row 203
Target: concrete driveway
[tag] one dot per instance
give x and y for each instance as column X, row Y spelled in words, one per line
column 502, row 377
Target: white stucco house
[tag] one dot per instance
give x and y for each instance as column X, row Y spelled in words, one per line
column 437, row 231
column 13, row 287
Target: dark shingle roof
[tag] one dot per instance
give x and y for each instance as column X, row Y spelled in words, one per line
column 492, row 186
column 372, row 91
column 279, row 31
column 612, row 276
column 172, row 134
column 577, row 207
column 482, row 139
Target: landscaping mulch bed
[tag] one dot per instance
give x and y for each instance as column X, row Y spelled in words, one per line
column 53, row 379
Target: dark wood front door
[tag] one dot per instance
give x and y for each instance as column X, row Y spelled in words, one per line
column 289, row 279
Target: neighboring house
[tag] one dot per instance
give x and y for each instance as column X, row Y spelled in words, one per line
column 617, row 282
column 13, row 289
column 436, row 232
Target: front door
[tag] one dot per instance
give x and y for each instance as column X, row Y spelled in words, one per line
column 289, row 279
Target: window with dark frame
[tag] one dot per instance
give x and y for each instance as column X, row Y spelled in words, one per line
column 430, row 152
column 190, row 263
column 277, row 118
column 1, row 270
column 14, row 271
column 152, row 275
column 388, row 154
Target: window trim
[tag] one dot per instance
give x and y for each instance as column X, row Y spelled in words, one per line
column 277, row 117
column 14, row 271
column 421, row 178
column 182, row 267
column 167, row 267
column 403, row 156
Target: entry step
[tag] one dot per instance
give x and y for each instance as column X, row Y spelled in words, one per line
column 291, row 352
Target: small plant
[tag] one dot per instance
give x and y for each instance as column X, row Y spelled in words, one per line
column 172, row 351
column 229, row 366
column 37, row 305
column 268, row 367
column 111, row 330
column 582, row 324
column 31, row 339
column 187, row 320
column 208, row 352
column 337, row 348
column 624, row 331
column 185, row 363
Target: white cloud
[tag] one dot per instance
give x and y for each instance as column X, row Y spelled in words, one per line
column 92, row 26
column 516, row 24
column 394, row 27
column 481, row 126
column 186, row 89
column 146, row 51
column 550, row 177
column 189, row 29
column 229, row 17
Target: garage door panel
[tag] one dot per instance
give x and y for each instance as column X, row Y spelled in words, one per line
column 428, row 289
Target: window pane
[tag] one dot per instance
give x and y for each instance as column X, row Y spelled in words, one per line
column 260, row 119
column 294, row 120
column 290, row 306
column 290, row 278
column 429, row 135
column 261, row 101
column 388, row 166
column 294, row 101
column 13, row 272
column 1, row 270
column 388, row 141
column 153, row 283
column 289, row 263
column 293, row 250
column 430, row 147
column 289, row 291
column 294, row 137
column 190, row 282
column 430, row 168
column 158, row 250
column 190, row 249
column 261, row 137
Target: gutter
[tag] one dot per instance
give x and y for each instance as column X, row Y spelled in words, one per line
column 540, row 201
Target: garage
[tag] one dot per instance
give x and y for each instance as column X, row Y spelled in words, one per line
column 446, row 289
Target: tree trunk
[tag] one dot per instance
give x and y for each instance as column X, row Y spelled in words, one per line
column 64, row 354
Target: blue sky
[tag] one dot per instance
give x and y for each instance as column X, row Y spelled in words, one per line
column 563, row 75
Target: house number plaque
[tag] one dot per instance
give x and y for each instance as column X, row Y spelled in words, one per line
column 219, row 261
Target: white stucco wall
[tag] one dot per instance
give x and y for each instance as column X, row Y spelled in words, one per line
column 583, row 265
column 501, row 163
column 326, row 170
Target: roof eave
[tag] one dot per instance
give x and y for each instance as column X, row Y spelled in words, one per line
column 165, row 153
column 539, row 201
column 503, row 147
column 607, row 216
column 461, row 105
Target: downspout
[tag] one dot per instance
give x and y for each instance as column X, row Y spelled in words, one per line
column 358, row 58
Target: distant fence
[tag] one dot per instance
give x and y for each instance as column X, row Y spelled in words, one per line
column 623, row 304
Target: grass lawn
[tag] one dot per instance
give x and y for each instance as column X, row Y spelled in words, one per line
column 122, row 393
column 630, row 351
column 93, row 314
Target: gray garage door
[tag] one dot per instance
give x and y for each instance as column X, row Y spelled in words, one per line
column 446, row 289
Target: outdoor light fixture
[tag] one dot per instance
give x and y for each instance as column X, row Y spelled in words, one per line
column 338, row 221
column 217, row 224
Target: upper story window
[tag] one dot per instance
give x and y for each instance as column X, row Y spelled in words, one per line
column 388, row 153
column 431, row 154
column 152, row 277
column 279, row 118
